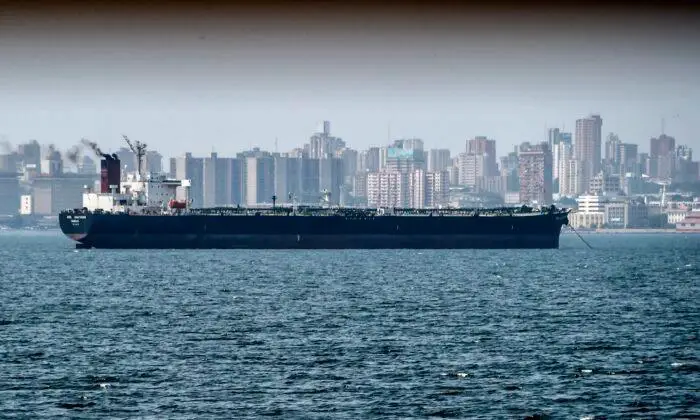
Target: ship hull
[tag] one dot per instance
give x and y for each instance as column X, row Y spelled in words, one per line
column 310, row 232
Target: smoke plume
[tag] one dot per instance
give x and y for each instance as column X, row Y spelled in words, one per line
column 73, row 154
column 93, row 146
column 53, row 152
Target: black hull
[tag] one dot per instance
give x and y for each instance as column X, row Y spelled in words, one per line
column 539, row 231
column 321, row 242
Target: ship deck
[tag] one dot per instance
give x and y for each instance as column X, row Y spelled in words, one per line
column 348, row 212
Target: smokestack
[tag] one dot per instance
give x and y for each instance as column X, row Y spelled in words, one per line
column 110, row 173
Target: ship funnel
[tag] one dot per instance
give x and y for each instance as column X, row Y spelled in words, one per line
column 110, row 173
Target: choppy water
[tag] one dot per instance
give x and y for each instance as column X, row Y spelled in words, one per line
column 568, row 333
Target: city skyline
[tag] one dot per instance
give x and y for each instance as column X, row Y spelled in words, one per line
column 277, row 146
column 403, row 173
column 585, row 144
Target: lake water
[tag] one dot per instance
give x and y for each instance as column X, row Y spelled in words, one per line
column 568, row 333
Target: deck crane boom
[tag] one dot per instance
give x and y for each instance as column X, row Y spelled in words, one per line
column 139, row 150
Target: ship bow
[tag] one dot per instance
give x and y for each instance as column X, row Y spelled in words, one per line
column 75, row 225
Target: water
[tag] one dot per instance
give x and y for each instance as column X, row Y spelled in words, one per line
column 568, row 333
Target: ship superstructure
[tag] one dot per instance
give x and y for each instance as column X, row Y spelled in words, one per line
column 156, row 194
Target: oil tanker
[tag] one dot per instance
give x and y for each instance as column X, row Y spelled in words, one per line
column 143, row 212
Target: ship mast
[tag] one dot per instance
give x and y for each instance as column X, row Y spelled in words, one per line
column 139, row 150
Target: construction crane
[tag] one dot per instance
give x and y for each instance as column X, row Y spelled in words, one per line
column 139, row 150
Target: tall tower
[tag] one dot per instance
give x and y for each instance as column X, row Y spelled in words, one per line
column 662, row 156
column 587, row 146
column 612, row 154
column 535, row 173
column 553, row 137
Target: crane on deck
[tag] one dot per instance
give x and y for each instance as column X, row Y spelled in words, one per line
column 139, row 150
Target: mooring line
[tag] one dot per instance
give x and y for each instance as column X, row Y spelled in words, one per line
column 580, row 237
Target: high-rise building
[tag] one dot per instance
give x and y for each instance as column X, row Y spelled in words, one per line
column 428, row 189
column 52, row 165
column 662, row 145
column 350, row 158
column 368, row 160
column 569, row 171
column 437, row 189
column 30, row 154
column 388, row 189
column 492, row 184
column 209, row 180
column 192, row 168
column 405, row 156
column 438, row 160
column 644, row 163
column 9, row 193
column 8, row 162
column 222, row 181
column 127, row 159
column 486, row 148
column 153, row 162
column 535, row 173
column 453, row 172
column 52, row 194
column 417, row 189
column 322, row 144
column 230, row 186
column 612, row 154
column 685, row 169
column 359, row 185
column 604, row 184
column 570, row 178
column 310, row 181
column 471, row 167
column 288, row 178
column 662, row 156
column 331, row 178
column 587, row 147
column 555, row 138
column 629, row 159
column 509, row 171
column 87, row 166
column 172, row 167
column 260, row 180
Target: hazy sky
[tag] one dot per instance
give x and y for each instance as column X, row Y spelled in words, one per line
column 229, row 78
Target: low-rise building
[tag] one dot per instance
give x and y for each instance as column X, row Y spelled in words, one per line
column 676, row 216
column 615, row 215
column 589, row 220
